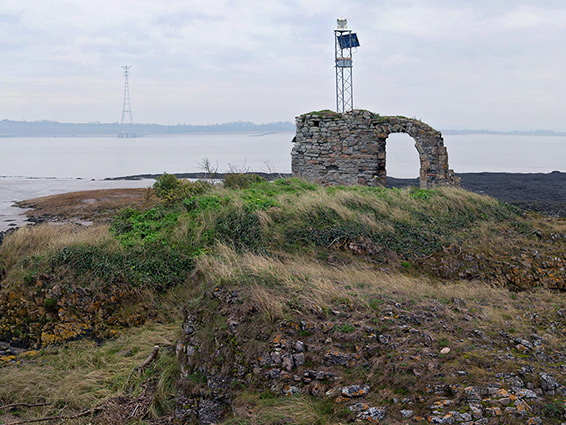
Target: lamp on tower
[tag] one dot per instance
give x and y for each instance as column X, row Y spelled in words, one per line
column 345, row 41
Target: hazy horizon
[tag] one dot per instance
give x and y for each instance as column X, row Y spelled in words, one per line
column 253, row 126
column 456, row 64
column 486, row 64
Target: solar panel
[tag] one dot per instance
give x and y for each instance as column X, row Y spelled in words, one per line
column 347, row 41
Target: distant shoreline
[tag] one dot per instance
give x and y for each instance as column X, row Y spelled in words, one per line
column 537, row 133
column 264, row 132
column 46, row 128
column 140, row 136
column 200, row 175
column 13, row 129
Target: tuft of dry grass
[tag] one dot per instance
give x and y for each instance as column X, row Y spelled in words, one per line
column 83, row 374
column 302, row 410
column 347, row 206
column 32, row 240
column 254, row 409
column 314, row 287
column 451, row 211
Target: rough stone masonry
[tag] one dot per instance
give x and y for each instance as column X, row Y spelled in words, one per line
column 349, row 149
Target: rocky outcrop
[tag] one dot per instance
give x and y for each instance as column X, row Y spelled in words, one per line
column 349, row 149
column 386, row 364
column 40, row 313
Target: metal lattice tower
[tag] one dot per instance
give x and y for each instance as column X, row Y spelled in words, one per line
column 126, row 108
column 344, row 42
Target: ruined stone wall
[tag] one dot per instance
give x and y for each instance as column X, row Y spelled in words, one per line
column 349, row 149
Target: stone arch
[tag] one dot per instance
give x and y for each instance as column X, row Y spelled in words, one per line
column 349, row 149
column 433, row 156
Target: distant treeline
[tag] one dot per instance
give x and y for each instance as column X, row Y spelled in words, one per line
column 47, row 128
column 53, row 128
column 509, row 132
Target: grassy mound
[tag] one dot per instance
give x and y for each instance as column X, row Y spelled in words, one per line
column 374, row 281
column 294, row 216
column 65, row 282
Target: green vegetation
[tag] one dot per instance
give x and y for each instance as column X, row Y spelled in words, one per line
column 254, row 215
column 172, row 190
column 241, row 181
column 324, row 113
column 553, row 409
column 150, row 267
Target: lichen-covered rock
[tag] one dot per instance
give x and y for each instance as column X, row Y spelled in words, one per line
column 355, row 391
column 373, row 414
column 46, row 313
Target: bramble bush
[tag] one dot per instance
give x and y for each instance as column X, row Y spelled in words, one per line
column 173, row 190
column 241, row 181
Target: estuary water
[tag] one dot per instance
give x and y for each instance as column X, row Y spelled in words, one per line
column 40, row 166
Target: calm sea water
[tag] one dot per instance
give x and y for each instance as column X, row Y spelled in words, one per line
column 32, row 167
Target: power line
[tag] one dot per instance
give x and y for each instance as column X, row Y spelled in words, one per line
column 126, row 108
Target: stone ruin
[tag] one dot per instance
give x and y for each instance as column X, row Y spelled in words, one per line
column 349, row 149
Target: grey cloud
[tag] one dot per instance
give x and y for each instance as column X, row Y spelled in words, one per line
column 224, row 60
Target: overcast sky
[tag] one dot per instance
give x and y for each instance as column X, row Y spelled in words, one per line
column 455, row 64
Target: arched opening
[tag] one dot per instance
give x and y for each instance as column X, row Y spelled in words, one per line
column 403, row 160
